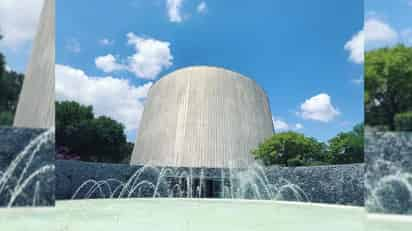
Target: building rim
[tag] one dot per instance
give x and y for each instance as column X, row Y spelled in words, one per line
column 170, row 75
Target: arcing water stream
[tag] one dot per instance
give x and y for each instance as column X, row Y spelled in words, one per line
column 19, row 175
column 151, row 181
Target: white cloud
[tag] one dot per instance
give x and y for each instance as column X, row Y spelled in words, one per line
column 174, row 10
column 318, row 108
column 379, row 33
column 8, row 68
column 202, row 7
column 108, row 63
column 73, row 45
column 356, row 48
column 298, row 126
column 151, row 57
column 18, row 21
column 375, row 34
column 282, row 126
column 112, row 97
column 106, row 42
column 279, row 125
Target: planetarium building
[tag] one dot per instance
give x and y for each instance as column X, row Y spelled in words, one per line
column 202, row 117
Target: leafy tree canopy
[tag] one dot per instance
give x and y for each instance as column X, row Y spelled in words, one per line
column 295, row 149
column 347, row 147
column 388, row 85
column 290, row 147
column 91, row 138
column 10, row 86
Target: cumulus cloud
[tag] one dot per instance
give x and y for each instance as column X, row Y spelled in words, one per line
column 379, row 33
column 112, row 97
column 282, row 126
column 108, row 63
column 202, row 7
column 151, row 57
column 355, row 46
column 174, row 10
column 73, row 45
column 18, row 21
column 375, row 33
column 7, row 67
column 106, row 42
column 318, row 108
column 279, row 125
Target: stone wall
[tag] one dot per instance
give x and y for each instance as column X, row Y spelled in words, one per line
column 388, row 178
column 327, row 184
column 335, row 184
column 36, row 165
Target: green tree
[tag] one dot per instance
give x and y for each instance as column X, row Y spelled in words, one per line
column 289, row 149
column 388, row 85
column 403, row 121
column 93, row 139
column 347, row 147
column 10, row 86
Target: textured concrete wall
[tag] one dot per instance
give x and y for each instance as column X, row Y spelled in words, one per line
column 36, row 103
column 202, row 117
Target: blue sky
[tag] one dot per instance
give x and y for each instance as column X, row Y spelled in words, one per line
column 306, row 55
column 388, row 23
column 295, row 50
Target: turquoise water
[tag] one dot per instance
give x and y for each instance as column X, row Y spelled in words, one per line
column 197, row 215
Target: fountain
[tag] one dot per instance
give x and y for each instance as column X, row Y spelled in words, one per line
column 181, row 192
column 27, row 167
column 27, row 149
column 389, row 172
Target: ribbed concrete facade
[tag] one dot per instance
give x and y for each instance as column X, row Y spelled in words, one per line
column 202, row 117
column 36, row 103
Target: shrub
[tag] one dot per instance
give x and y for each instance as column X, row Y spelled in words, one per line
column 295, row 162
column 403, row 121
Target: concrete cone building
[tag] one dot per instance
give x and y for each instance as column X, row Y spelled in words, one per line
column 202, row 117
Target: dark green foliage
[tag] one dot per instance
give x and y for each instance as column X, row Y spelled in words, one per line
column 388, row 85
column 403, row 121
column 294, row 149
column 10, row 86
column 6, row 118
column 347, row 147
column 294, row 162
column 92, row 138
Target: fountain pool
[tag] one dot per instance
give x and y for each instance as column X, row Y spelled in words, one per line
column 177, row 214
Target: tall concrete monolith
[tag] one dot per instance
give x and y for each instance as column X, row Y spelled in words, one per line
column 35, row 108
